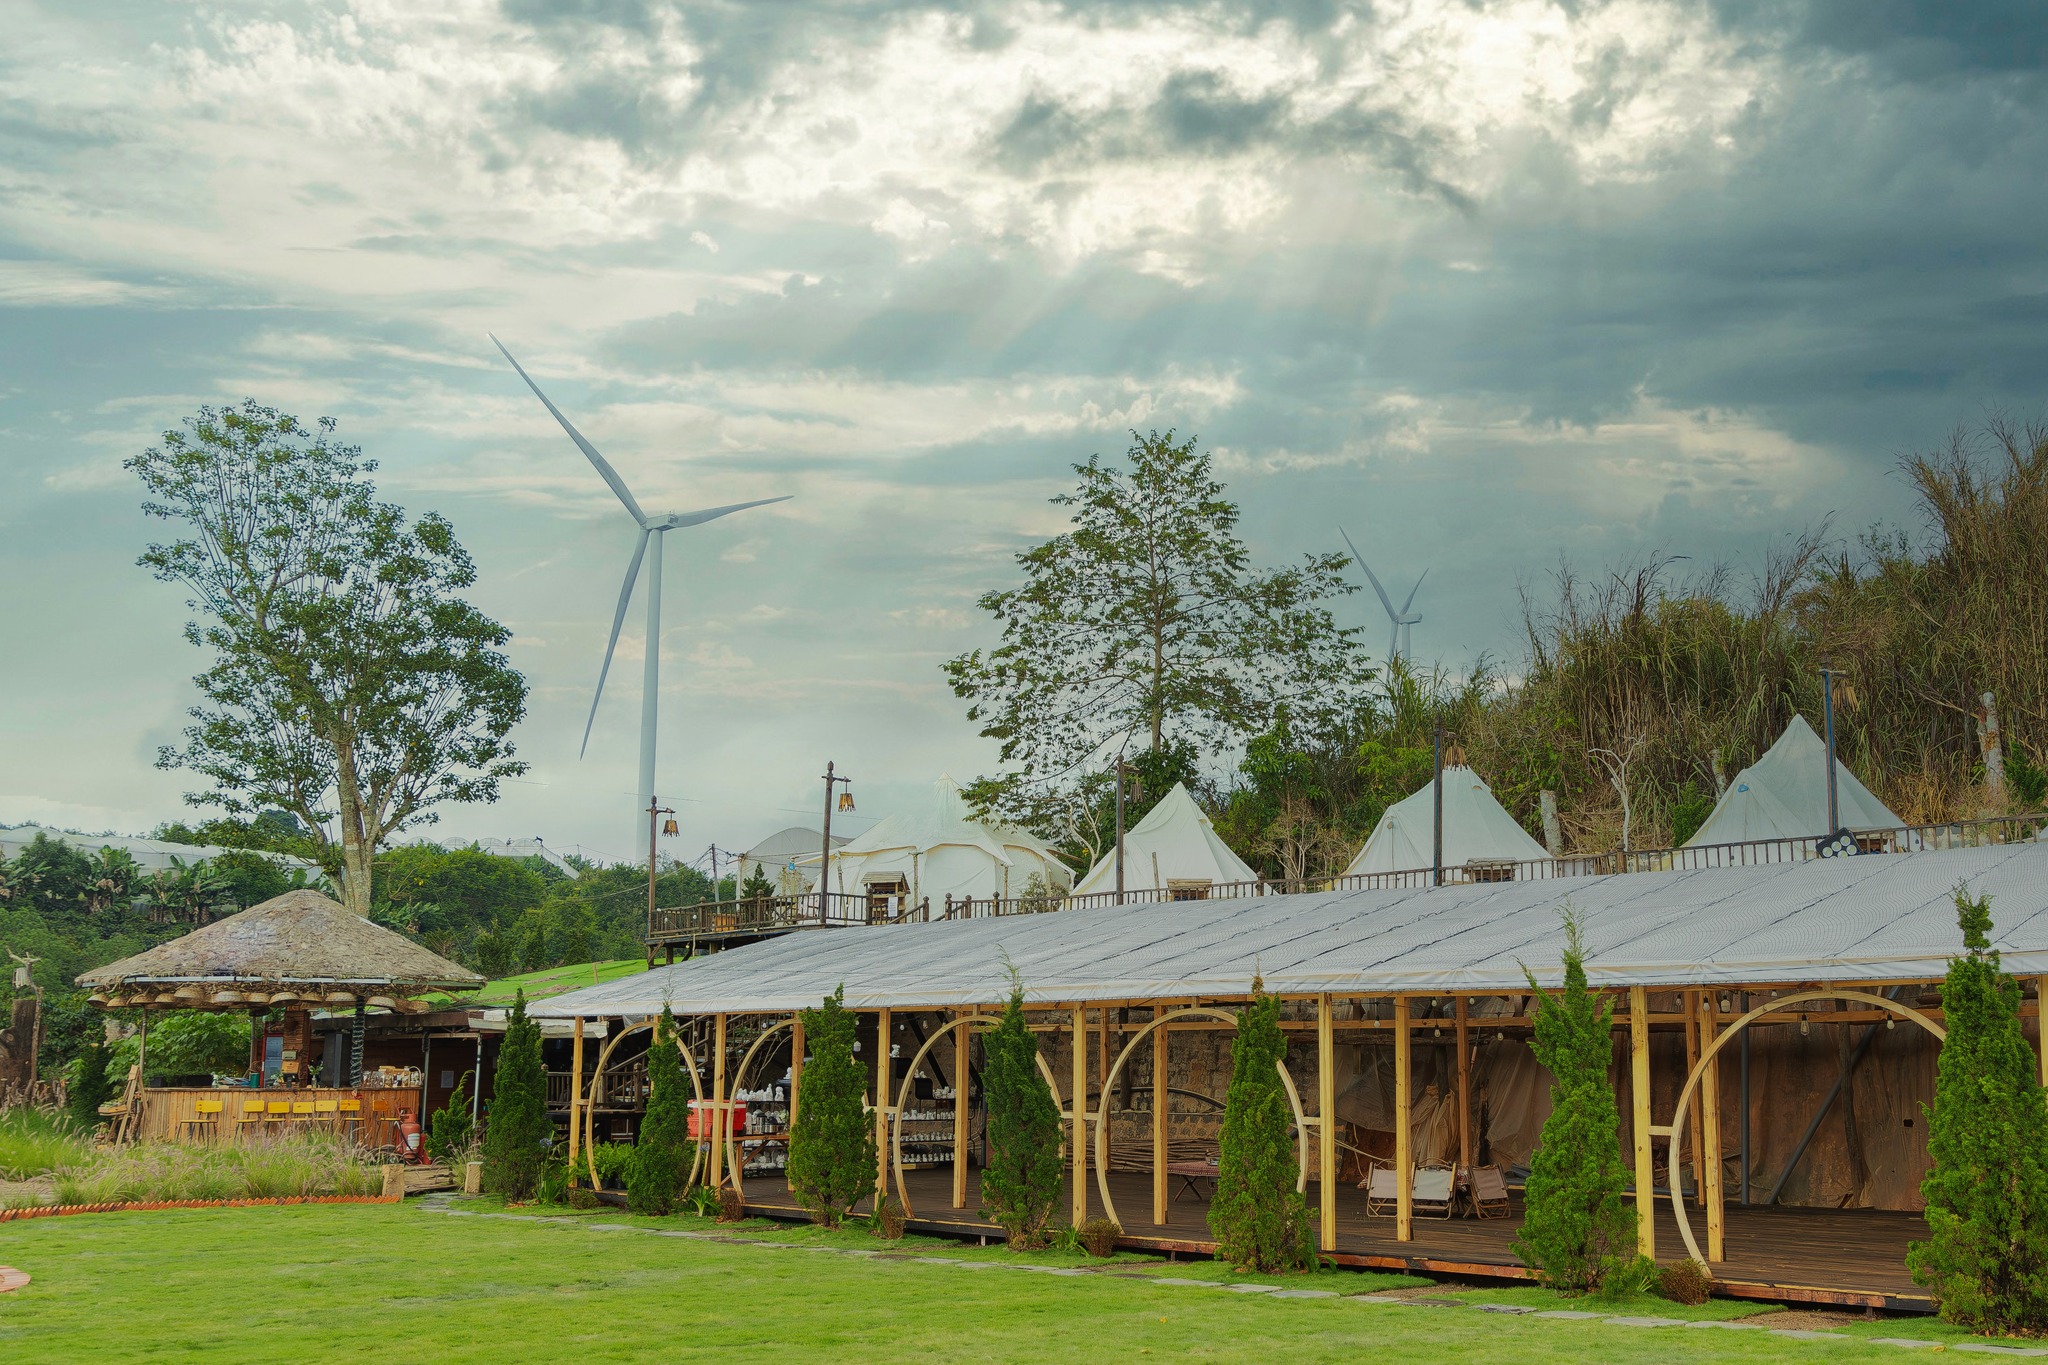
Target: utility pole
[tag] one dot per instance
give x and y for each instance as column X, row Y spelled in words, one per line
column 1119, row 829
column 1437, row 802
column 655, row 810
column 825, row 856
column 714, row 876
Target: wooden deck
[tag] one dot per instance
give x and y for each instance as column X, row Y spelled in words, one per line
column 1851, row 1257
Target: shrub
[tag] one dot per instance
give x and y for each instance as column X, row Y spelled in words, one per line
column 553, row 1185
column 886, row 1220
column 1020, row 1181
column 518, row 1126
column 657, row 1168
column 580, row 1198
column 704, row 1201
column 451, row 1127
column 1579, row 1229
column 1986, row 1256
column 1100, row 1236
column 613, row 1161
column 1258, row 1217
column 832, row 1158
column 732, row 1206
column 1685, row 1282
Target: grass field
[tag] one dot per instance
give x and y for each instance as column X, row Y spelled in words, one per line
column 420, row 1283
column 541, row 985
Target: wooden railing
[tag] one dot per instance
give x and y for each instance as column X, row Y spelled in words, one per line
column 775, row 914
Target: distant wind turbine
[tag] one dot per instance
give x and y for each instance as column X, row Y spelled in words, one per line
column 1400, row 640
column 651, row 528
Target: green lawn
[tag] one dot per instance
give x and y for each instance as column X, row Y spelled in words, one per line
column 541, row 985
column 410, row 1282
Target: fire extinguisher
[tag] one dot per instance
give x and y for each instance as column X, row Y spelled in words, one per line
column 409, row 1136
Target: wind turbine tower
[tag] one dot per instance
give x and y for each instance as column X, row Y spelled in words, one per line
column 651, row 529
column 1399, row 639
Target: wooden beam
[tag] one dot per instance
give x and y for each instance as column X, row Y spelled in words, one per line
column 1078, row 1142
column 796, row 1066
column 1639, row 1106
column 575, row 1095
column 1692, row 1059
column 1710, row 1126
column 963, row 1072
column 1326, row 1127
column 1467, row 1155
column 885, row 1033
column 718, row 1122
column 1160, row 1100
column 1404, row 1137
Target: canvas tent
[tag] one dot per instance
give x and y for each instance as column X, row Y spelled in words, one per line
column 1784, row 795
column 1174, row 848
column 936, row 849
column 152, row 855
column 1475, row 827
column 788, row 858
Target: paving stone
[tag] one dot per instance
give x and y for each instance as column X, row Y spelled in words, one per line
column 1569, row 1315
column 1303, row 1294
column 1502, row 1308
column 1199, row 1284
column 1730, row 1326
column 1253, row 1288
column 1646, row 1322
column 1798, row 1335
column 1377, row 1298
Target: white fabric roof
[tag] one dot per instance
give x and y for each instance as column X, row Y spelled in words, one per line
column 938, row 849
column 1174, row 842
column 154, row 855
column 513, row 848
column 1872, row 917
column 1784, row 795
column 1475, row 826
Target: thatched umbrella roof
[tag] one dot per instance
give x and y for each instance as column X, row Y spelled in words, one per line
column 300, row 949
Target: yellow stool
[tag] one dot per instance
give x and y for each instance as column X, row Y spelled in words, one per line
column 351, row 1114
column 251, row 1115
column 205, row 1124
column 276, row 1114
column 302, row 1115
column 327, row 1115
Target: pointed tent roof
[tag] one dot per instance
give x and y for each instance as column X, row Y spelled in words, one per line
column 301, row 938
column 1475, row 826
column 941, row 821
column 1174, row 842
column 1784, row 795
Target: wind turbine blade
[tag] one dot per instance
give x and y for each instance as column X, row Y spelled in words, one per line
column 604, row 470
column 1411, row 593
column 713, row 513
column 618, row 620
column 1385, row 601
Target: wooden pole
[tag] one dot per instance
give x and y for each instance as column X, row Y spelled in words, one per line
column 575, row 1095
column 1326, row 1127
column 1710, row 1126
column 2041, row 1023
column 1639, row 1105
column 1160, row 1100
column 884, row 1032
column 1467, row 1155
column 1079, row 1141
column 963, row 1058
column 1693, row 1044
column 796, row 1066
column 1404, row 1138
column 719, row 1124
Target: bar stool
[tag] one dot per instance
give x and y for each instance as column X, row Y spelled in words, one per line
column 302, row 1115
column 327, row 1115
column 351, row 1113
column 277, row 1114
column 250, row 1117
column 204, row 1124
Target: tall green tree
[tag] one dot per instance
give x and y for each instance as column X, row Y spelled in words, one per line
column 1258, row 1217
column 1144, row 624
column 832, row 1156
column 518, row 1121
column 1579, row 1229
column 660, row 1157
column 1020, row 1182
column 349, row 684
column 1986, row 1255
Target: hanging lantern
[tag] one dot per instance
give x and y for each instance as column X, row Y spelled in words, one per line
column 668, row 827
column 845, row 802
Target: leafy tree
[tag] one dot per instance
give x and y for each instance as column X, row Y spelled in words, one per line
column 661, row 1156
column 1986, row 1256
column 1020, row 1183
column 90, row 1085
column 1579, row 1229
column 348, row 680
column 518, row 1122
column 1146, row 624
column 188, row 1042
column 453, row 1124
column 832, row 1156
column 1259, row 1219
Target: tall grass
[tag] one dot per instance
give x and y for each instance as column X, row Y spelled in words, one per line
column 35, row 1142
column 280, row 1168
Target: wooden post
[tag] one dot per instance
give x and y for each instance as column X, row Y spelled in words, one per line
column 796, row 1067
column 1160, row 1100
column 1639, row 1104
column 963, row 1057
column 884, row 1083
column 575, row 1096
column 1467, row 1154
column 719, row 1122
column 1326, row 1126
column 1079, row 1141
column 1404, row 1138
column 2041, row 1023
column 1710, row 1126
column 1693, row 1044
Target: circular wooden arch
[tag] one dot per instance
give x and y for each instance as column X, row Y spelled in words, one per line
column 1677, row 1129
column 895, row 1115
column 1108, row 1084
column 590, row 1115
column 732, row 1164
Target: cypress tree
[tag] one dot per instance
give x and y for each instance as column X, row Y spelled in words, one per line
column 518, row 1122
column 832, row 1158
column 1986, row 1256
column 1579, row 1228
column 1020, row 1180
column 659, row 1162
column 93, row 1087
column 1258, row 1217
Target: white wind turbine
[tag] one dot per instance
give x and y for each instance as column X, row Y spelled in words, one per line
column 651, row 528
column 1399, row 639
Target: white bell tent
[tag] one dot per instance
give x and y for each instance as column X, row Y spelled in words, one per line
column 1173, row 849
column 937, row 849
column 1784, row 795
column 1475, row 827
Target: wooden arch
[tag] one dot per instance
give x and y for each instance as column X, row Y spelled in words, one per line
column 732, row 1164
column 895, row 1114
column 1301, row 1119
column 1677, row 1129
column 590, row 1115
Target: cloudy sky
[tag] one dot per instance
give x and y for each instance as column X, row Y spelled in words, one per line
column 1487, row 283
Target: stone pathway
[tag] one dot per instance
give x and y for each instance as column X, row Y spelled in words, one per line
column 11, row 1279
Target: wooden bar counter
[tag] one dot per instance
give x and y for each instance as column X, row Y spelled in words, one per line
column 164, row 1111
